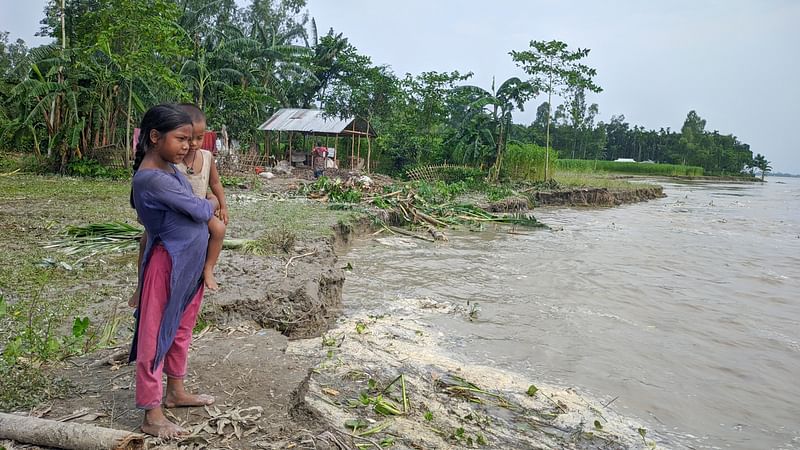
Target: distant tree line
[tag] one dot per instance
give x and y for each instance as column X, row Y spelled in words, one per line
column 576, row 135
column 112, row 59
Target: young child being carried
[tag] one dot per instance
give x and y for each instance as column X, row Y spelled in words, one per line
column 199, row 168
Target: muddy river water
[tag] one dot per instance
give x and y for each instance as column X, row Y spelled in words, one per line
column 685, row 311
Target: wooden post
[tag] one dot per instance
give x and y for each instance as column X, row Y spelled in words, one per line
column 358, row 159
column 369, row 148
column 352, row 145
column 289, row 158
column 336, row 155
column 266, row 138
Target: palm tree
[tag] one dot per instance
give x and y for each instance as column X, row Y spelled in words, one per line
column 760, row 162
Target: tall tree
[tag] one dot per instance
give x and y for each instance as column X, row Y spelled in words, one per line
column 554, row 69
column 139, row 48
column 12, row 58
column 577, row 115
column 362, row 90
column 691, row 137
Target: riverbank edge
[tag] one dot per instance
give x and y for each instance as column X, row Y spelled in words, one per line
column 597, row 197
column 314, row 280
column 316, row 386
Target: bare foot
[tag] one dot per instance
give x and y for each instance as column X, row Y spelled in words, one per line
column 175, row 399
column 156, row 424
column 133, row 302
column 210, row 281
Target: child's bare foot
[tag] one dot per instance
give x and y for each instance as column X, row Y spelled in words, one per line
column 133, row 302
column 178, row 399
column 210, row 280
column 156, row 424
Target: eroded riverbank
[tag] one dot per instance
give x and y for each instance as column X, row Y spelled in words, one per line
column 240, row 358
column 680, row 310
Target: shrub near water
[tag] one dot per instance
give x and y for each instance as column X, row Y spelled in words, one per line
column 525, row 162
column 669, row 170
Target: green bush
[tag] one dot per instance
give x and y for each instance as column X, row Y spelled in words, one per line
column 334, row 188
column 453, row 174
column 26, row 163
column 91, row 168
column 497, row 193
column 526, row 162
column 441, row 192
column 230, row 180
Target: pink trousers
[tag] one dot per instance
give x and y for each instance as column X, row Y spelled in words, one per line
column 155, row 293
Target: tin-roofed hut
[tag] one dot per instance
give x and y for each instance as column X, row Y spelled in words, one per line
column 314, row 122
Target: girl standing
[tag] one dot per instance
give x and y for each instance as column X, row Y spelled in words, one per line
column 171, row 283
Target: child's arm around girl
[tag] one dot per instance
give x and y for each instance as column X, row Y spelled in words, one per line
column 215, row 184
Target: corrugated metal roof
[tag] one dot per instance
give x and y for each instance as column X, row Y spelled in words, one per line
column 309, row 121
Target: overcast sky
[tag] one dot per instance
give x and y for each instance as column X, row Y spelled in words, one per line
column 733, row 61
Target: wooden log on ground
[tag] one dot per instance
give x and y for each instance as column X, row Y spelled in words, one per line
column 51, row 433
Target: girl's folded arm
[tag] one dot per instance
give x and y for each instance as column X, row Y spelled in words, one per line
column 169, row 193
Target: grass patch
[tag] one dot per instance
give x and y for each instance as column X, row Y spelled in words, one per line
column 36, row 209
column 23, row 387
column 667, row 170
column 272, row 242
column 576, row 179
column 306, row 219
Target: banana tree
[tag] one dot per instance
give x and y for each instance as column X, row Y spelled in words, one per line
column 49, row 96
column 208, row 71
column 277, row 62
column 498, row 104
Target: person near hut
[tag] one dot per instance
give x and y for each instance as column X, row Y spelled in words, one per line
column 319, row 158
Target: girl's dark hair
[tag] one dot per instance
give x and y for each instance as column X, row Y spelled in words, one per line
column 162, row 118
column 194, row 112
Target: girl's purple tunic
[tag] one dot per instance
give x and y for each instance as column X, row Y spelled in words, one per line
column 172, row 214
